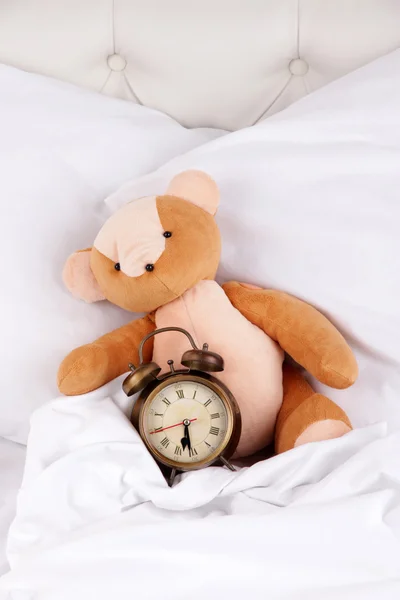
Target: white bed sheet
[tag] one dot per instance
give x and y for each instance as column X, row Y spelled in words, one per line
column 12, row 458
column 96, row 518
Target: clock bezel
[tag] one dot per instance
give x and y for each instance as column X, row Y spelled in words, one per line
column 225, row 450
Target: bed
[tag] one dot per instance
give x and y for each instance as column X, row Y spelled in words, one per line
column 105, row 100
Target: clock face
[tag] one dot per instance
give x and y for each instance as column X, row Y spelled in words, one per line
column 186, row 422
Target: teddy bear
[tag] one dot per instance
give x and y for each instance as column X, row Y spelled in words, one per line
column 158, row 256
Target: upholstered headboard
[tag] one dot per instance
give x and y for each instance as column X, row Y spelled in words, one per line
column 220, row 63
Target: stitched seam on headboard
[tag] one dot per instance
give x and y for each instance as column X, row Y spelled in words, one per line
column 273, row 102
column 113, row 24
column 298, row 28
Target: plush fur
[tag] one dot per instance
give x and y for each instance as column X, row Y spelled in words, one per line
column 134, row 265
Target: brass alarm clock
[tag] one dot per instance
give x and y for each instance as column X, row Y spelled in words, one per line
column 187, row 418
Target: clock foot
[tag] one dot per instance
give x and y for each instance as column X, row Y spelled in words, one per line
column 227, row 464
column 171, row 477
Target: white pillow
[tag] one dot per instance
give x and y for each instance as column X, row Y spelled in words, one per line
column 311, row 205
column 62, row 151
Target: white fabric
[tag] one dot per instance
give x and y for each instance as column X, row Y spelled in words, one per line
column 310, row 205
column 222, row 63
column 97, row 519
column 12, row 458
column 62, row 151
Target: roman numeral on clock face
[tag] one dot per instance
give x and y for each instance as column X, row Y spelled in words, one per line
column 165, row 442
column 215, row 416
column 192, row 452
column 207, row 403
column 178, row 451
column 166, row 401
column 214, row 430
column 179, row 394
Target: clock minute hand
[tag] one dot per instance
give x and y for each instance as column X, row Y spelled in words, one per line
column 188, row 439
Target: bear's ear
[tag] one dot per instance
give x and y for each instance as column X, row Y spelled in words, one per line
column 79, row 279
column 197, row 187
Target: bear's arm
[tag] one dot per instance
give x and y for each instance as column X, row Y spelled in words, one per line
column 301, row 331
column 89, row 367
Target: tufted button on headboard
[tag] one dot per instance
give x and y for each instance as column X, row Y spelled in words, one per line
column 220, row 63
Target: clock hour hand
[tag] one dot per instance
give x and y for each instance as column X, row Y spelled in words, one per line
column 185, row 443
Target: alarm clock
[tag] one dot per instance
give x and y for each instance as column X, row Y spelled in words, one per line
column 187, row 418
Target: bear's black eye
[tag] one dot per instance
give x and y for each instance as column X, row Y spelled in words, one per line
column 149, row 267
column 117, row 267
column 167, row 234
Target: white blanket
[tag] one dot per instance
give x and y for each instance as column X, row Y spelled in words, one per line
column 12, row 459
column 96, row 518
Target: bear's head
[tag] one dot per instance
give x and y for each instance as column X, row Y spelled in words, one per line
column 153, row 249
